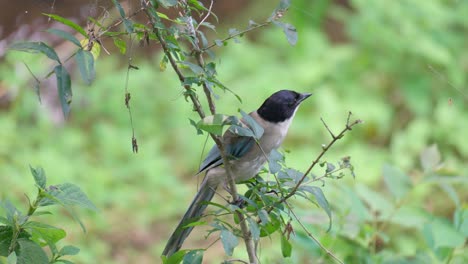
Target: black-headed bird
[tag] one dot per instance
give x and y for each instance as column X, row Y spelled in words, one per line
column 246, row 157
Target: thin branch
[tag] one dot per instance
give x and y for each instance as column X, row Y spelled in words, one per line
column 328, row 129
column 239, row 33
column 348, row 127
column 207, row 15
column 313, row 237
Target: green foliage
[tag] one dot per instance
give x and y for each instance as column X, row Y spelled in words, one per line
column 22, row 239
column 401, row 71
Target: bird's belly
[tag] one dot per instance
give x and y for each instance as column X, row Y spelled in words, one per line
column 244, row 169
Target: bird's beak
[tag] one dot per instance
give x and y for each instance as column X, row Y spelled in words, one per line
column 304, row 96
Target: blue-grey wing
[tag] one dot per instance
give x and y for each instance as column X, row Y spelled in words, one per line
column 236, row 147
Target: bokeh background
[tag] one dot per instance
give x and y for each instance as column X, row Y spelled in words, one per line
column 401, row 66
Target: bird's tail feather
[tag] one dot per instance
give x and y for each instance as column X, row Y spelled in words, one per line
column 195, row 210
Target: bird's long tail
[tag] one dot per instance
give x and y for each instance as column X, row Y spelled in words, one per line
column 195, row 210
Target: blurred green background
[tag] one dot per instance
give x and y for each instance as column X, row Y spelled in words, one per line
column 401, row 66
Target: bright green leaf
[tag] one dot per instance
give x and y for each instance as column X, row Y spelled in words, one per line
column 175, row 258
column 193, row 67
column 35, row 47
column 85, row 61
column 122, row 45
column 64, row 88
column 64, row 35
column 214, row 124
column 286, row 247
column 68, row 23
column 274, row 161
column 44, row 233
column 229, row 241
column 440, row 234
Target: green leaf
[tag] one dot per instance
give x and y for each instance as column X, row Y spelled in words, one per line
column 6, row 235
column 36, row 47
column 194, row 124
column 64, row 35
column 441, row 234
column 289, row 30
column 12, row 258
column 127, row 23
column 11, row 211
column 254, row 229
column 64, row 88
column 69, row 251
column 263, row 215
column 430, row 158
column 29, row 252
column 193, row 67
column 68, row 23
column 193, row 257
column 274, row 161
column 321, row 200
column 70, row 194
column 39, row 176
column 167, row 3
column 122, row 45
column 85, row 61
column 397, row 182
column 286, row 247
column 175, row 258
column 256, row 128
column 214, row 124
column 229, row 241
column 43, row 233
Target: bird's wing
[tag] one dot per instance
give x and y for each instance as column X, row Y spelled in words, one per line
column 236, row 147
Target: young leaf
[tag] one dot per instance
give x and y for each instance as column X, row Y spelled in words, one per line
column 68, row 23
column 69, row 251
column 175, row 258
column 397, row 182
column 35, row 47
column 193, row 257
column 229, row 240
column 286, row 247
column 122, row 45
column 29, row 252
column 127, row 23
column 64, row 35
column 64, row 88
column 39, row 176
column 85, row 61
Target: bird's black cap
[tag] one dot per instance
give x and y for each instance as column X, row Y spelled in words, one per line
column 281, row 105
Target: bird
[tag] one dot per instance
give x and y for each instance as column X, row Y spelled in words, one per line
column 246, row 156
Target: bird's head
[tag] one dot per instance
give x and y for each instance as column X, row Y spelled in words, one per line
column 281, row 105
